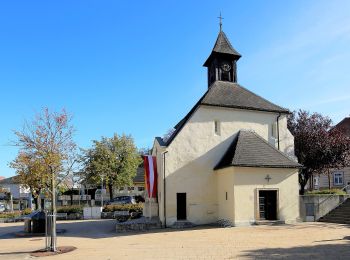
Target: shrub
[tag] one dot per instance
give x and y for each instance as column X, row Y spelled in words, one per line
column 10, row 214
column 124, row 207
column 325, row 192
column 26, row 211
column 70, row 209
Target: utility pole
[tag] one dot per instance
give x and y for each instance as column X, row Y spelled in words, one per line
column 102, row 191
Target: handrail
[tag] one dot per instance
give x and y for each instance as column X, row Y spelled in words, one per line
column 333, row 195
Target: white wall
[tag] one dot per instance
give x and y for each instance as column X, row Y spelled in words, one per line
column 196, row 150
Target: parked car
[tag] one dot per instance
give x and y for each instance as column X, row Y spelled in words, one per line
column 2, row 207
column 139, row 198
column 122, row 200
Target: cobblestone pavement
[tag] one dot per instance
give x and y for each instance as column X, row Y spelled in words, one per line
column 97, row 240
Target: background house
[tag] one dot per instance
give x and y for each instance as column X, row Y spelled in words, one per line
column 338, row 177
column 20, row 193
column 83, row 193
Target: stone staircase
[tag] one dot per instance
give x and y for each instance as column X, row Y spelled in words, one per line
column 340, row 214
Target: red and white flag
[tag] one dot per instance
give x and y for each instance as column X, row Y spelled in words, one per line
column 150, row 164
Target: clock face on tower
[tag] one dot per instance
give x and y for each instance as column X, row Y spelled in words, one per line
column 226, row 67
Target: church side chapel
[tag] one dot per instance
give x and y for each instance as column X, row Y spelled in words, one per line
column 230, row 159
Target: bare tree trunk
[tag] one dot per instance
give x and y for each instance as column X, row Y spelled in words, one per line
column 71, row 197
column 302, row 182
column 329, row 179
column 36, row 202
column 110, row 187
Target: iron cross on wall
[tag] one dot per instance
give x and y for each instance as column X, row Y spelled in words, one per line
column 268, row 178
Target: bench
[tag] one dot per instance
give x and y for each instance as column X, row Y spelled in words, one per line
column 61, row 216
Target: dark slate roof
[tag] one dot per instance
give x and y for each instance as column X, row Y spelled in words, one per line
column 228, row 94
column 222, row 46
column 10, row 180
column 248, row 149
column 140, row 175
column 161, row 141
column 344, row 126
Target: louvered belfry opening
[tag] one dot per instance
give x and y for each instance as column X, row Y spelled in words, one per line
column 222, row 62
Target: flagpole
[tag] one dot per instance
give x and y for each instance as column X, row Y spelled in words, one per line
column 150, row 194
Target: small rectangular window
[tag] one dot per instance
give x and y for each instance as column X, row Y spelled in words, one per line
column 274, row 130
column 217, row 127
column 338, row 178
column 226, row 195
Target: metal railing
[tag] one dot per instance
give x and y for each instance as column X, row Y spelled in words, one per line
column 333, row 195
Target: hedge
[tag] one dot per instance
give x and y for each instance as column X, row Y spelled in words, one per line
column 325, row 192
column 26, row 211
column 70, row 209
column 10, row 214
column 124, row 207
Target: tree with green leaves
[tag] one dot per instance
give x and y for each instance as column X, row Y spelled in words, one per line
column 32, row 174
column 113, row 160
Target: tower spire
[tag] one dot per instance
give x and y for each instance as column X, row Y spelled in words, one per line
column 220, row 18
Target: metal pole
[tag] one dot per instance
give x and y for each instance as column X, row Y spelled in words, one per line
column 53, row 210
column 101, row 191
column 164, row 189
column 46, row 228
column 11, row 202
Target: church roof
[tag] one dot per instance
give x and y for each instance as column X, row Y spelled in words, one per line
column 223, row 46
column 248, row 149
column 227, row 94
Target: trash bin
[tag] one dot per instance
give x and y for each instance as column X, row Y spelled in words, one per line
column 38, row 221
column 35, row 222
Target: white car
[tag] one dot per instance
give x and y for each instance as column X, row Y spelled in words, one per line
column 2, row 208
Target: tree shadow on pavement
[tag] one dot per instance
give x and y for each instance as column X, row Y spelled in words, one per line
column 341, row 250
column 94, row 229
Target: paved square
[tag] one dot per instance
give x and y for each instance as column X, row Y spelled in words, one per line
column 97, row 240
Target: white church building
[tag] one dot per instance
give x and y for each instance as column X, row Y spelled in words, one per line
column 231, row 158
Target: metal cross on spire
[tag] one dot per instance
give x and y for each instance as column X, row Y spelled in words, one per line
column 220, row 17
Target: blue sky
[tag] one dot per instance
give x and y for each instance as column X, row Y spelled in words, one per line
column 136, row 67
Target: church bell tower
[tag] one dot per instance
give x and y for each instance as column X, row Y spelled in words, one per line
column 222, row 61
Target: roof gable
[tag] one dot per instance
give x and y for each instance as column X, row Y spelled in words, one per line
column 250, row 150
column 226, row 94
